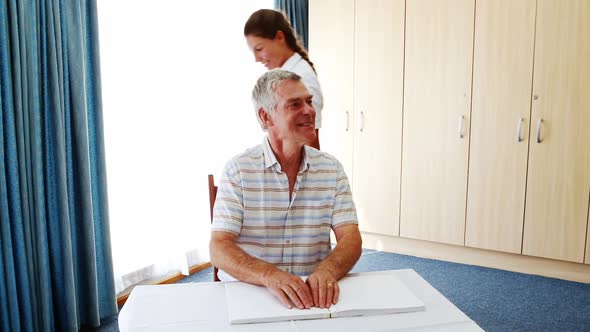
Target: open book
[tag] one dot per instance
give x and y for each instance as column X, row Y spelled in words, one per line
column 368, row 294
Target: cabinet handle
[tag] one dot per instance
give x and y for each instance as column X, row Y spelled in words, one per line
column 347, row 120
column 519, row 130
column 461, row 126
column 539, row 140
column 362, row 121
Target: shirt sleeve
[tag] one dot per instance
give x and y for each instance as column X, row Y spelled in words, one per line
column 344, row 208
column 228, row 212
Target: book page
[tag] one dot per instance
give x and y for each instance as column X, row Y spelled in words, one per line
column 248, row 303
column 374, row 294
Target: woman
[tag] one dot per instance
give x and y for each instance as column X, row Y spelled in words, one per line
column 271, row 38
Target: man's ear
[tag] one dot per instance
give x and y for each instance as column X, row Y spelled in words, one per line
column 264, row 117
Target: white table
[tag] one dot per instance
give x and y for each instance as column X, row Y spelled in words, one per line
column 202, row 307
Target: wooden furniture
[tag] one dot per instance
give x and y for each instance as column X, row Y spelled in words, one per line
column 379, row 49
column 362, row 113
column 558, row 181
column 500, row 120
column 331, row 48
column 494, row 151
column 212, row 197
column 437, row 97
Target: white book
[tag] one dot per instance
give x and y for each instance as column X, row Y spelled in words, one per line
column 247, row 303
column 363, row 295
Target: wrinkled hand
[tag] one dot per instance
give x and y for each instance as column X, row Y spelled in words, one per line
column 289, row 289
column 324, row 288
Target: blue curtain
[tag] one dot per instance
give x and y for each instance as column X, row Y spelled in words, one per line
column 55, row 257
column 296, row 11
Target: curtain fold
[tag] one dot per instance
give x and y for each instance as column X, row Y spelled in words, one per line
column 297, row 12
column 55, row 261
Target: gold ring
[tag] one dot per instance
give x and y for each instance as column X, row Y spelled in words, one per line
column 329, row 285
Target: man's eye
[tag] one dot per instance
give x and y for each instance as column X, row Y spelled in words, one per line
column 309, row 102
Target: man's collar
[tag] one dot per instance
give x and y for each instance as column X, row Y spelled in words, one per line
column 270, row 159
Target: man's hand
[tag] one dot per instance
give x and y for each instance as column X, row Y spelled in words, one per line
column 226, row 255
column 324, row 288
column 323, row 281
column 289, row 289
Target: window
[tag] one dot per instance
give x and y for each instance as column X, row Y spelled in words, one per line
column 176, row 83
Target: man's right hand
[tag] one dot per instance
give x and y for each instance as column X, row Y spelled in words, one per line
column 290, row 289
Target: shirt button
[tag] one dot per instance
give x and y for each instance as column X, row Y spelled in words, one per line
column 288, row 241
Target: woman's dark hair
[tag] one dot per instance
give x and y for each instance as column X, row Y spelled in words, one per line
column 265, row 23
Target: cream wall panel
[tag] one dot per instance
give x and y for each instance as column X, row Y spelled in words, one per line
column 437, row 98
column 556, row 213
column 331, row 49
column 502, row 80
column 378, row 90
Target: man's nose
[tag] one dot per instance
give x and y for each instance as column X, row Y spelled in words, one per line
column 309, row 109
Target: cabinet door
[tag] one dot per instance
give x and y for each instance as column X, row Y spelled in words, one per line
column 500, row 118
column 378, row 88
column 331, row 49
column 588, row 236
column 439, row 50
column 556, row 213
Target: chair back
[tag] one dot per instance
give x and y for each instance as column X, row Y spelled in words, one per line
column 212, row 196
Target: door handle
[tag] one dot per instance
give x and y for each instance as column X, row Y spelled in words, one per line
column 362, row 121
column 519, row 130
column 539, row 125
column 347, row 120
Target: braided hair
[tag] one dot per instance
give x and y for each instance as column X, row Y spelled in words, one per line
column 265, row 23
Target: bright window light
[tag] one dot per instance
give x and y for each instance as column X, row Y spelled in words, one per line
column 176, row 83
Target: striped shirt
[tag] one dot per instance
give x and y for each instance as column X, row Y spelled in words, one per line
column 291, row 233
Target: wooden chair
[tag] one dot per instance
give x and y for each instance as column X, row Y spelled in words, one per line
column 212, row 196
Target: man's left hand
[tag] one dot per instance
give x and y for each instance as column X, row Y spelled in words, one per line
column 324, row 288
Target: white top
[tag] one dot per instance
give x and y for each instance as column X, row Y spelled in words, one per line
column 299, row 66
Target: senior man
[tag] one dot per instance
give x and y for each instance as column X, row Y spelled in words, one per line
column 278, row 201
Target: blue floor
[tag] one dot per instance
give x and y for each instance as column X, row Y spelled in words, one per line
column 496, row 300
